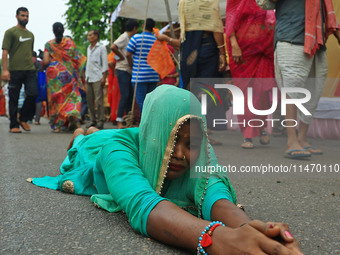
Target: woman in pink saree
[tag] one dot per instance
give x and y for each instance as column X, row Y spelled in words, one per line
column 249, row 37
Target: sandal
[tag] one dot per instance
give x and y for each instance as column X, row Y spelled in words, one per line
column 313, row 150
column 264, row 138
column 247, row 144
column 56, row 130
column 297, row 154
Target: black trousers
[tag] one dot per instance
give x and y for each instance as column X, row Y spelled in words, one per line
column 30, row 81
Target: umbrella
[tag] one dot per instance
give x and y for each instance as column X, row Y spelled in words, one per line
column 135, row 9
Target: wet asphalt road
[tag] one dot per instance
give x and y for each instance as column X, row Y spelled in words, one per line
column 35, row 220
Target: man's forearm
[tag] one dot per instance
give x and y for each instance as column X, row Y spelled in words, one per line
column 4, row 60
column 129, row 58
column 115, row 49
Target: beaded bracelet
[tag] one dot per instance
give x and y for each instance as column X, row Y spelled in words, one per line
column 205, row 238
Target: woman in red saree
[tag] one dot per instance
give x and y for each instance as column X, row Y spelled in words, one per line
column 249, row 36
column 64, row 75
column 113, row 94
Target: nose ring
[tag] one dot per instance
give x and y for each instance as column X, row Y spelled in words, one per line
column 183, row 157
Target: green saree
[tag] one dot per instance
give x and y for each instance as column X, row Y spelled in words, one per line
column 125, row 169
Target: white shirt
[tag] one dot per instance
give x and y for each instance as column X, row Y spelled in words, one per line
column 96, row 63
column 121, row 43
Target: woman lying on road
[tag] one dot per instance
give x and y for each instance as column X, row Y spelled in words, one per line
column 148, row 172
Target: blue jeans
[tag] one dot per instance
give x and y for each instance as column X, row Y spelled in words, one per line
column 126, row 93
column 142, row 89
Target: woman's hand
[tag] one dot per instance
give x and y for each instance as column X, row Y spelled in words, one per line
column 278, row 231
column 237, row 54
column 235, row 49
column 245, row 240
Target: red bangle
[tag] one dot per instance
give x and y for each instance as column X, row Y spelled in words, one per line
column 205, row 239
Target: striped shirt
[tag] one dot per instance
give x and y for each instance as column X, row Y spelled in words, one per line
column 146, row 73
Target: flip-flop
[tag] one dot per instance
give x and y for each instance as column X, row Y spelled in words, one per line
column 314, row 148
column 25, row 126
column 247, row 144
column 290, row 154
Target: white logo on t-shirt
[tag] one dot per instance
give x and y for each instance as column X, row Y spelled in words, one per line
column 23, row 39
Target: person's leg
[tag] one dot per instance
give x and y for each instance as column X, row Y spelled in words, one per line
column 208, row 58
column 130, row 96
column 292, row 68
column 99, row 99
column 38, row 107
column 315, row 85
column 278, row 129
column 14, row 88
column 124, row 82
column 90, row 102
column 31, row 91
column 141, row 93
column 84, row 109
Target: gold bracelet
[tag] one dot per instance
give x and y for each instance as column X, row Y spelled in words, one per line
column 220, row 46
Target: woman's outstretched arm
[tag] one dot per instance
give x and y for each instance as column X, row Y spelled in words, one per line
column 225, row 211
column 171, row 225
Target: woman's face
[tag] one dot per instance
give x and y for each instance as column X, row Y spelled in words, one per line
column 186, row 151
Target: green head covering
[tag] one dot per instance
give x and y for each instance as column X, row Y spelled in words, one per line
column 165, row 110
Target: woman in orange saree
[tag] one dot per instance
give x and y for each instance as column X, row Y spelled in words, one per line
column 64, row 75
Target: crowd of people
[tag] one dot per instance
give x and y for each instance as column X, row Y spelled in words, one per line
column 146, row 171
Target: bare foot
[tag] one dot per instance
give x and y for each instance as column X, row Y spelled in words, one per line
column 78, row 131
column 91, row 130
